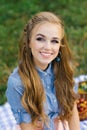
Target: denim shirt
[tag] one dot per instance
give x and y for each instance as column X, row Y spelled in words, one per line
column 15, row 91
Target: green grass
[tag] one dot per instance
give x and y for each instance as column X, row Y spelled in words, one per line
column 14, row 15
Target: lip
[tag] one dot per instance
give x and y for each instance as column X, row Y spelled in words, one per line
column 46, row 54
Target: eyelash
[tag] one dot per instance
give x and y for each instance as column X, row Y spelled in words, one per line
column 55, row 41
column 42, row 39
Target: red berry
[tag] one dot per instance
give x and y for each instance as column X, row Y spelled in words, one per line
column 81, row 100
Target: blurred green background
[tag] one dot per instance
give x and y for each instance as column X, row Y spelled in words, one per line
column 14, row 14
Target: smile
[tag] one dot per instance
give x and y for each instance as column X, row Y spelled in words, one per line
column 46, row 54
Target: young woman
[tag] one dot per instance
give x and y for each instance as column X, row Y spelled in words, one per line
column 40, row 89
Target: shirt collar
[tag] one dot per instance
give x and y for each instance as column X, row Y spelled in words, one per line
column 48, row 71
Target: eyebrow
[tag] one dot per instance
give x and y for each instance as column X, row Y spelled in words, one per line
column 40, row 35
column 44, row 36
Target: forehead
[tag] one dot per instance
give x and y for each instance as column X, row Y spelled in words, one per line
column 48, row 29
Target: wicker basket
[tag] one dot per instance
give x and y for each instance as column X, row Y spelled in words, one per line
column 82, row 102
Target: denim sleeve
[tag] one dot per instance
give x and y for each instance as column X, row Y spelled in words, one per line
column 14, row 93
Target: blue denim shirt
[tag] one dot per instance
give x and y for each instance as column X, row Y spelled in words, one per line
column 15, row 91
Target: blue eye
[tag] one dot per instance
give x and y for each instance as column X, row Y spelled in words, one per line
column 40, row 39
column 55, row 41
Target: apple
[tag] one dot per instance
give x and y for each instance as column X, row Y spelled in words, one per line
column 82, row 105
column 81, row 100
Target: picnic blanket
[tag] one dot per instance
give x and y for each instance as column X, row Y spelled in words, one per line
column 8, row 122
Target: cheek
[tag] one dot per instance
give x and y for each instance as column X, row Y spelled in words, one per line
column 57, row 49
column 35, row 48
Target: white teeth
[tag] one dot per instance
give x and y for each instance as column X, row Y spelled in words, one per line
column 45, row 54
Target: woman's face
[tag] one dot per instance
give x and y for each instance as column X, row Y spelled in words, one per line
column 45, row 43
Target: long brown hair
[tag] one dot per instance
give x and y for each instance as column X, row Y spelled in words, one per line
column 34, row 95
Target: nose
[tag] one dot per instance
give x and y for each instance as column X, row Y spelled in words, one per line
column 48, row 45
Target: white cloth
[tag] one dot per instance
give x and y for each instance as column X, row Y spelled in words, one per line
column 7, row 120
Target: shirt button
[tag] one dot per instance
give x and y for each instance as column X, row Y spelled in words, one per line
column 48, row 87
column 19, row 110
column 54, row 100
column 45, row 73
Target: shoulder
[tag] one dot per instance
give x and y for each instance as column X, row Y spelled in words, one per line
column 15, row 76
column 14, row 81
